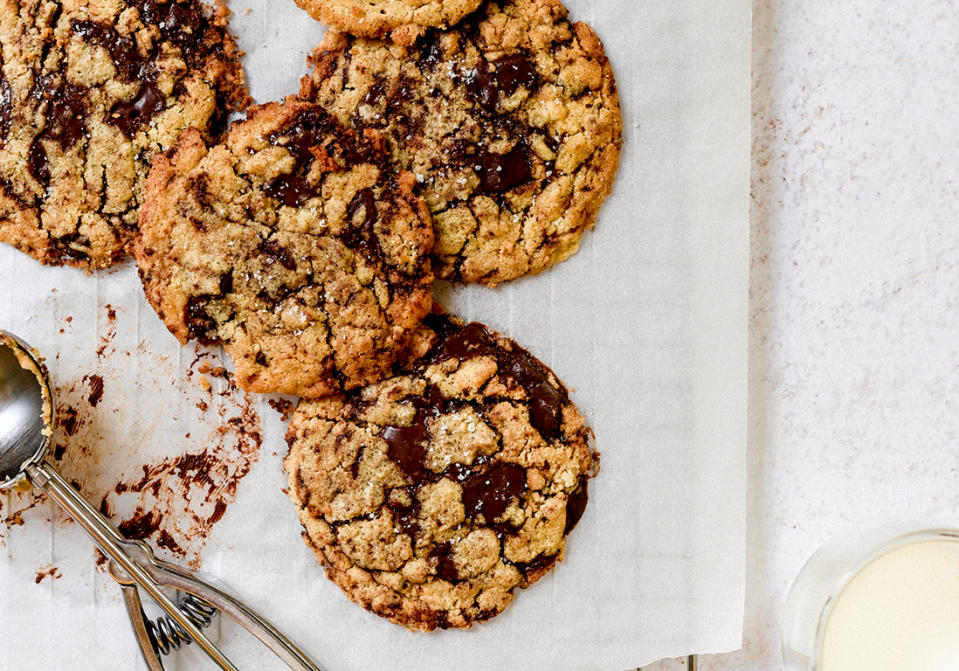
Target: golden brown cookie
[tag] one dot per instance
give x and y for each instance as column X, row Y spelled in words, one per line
column 510, row 119
column 400, row 20
column 429, row 497
column 89, row 93
column 294, row 245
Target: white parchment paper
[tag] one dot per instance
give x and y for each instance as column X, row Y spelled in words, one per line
column 647, row 323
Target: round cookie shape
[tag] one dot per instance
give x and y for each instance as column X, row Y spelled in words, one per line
column 402, row 21
column 293, row 244
column 431, row 496
column 510, row 119
column 89, row 93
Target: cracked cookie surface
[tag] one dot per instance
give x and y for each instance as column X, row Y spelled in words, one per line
column 400, row 20
column 510, row 119
column 294, row 245
column 431, row 496
column 89, row 92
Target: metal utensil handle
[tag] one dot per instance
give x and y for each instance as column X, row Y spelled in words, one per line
column 112, row 543
column 171, row 575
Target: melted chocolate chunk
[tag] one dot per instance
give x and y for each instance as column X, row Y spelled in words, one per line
column 407, row 518
column 374, row 95
column 37, row 161
column 407, row 444
column 64, row 245
column 312, row 130
column 226, row 283
column 201, row 326
column 122, row 49
column 490, row 492
column 365, row 202
column 360, row 235
column 130, row 117
column 576, row 505
column 406, row 447
column 6, row 105
column 504, row 75
column 445, row 567
column 499, row 173
column 537, row 564
column 274, row 252
column 291, row 190
column 513, row 71
column 546, row 400
column 182, row 23
column 468, row 342
column 432, row 53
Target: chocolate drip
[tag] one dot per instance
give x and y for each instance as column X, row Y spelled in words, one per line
column 576, row 505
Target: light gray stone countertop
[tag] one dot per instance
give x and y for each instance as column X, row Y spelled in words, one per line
column 854, row 326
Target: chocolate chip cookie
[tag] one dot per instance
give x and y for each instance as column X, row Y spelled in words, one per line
column 429, row 497
column 293, row 244
column 89, row 92
column 510, row 119
column 400, row 20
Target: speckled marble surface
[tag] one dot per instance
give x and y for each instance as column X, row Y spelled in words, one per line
column 854, row 332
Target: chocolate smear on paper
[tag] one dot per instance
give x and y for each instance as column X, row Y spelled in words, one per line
column 171, row 502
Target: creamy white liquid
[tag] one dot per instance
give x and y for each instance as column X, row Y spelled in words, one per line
column 899, row 613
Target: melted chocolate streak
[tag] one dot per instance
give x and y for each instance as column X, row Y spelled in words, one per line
column 487, row 489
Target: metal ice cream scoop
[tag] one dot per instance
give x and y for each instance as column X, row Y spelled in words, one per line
column 26, row 430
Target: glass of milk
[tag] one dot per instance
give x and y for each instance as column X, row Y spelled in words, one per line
column 880, row 601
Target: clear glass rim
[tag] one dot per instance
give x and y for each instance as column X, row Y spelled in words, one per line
column 893, row 542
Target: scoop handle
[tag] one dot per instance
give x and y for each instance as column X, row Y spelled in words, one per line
column 113, row 545
column 171, row 575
